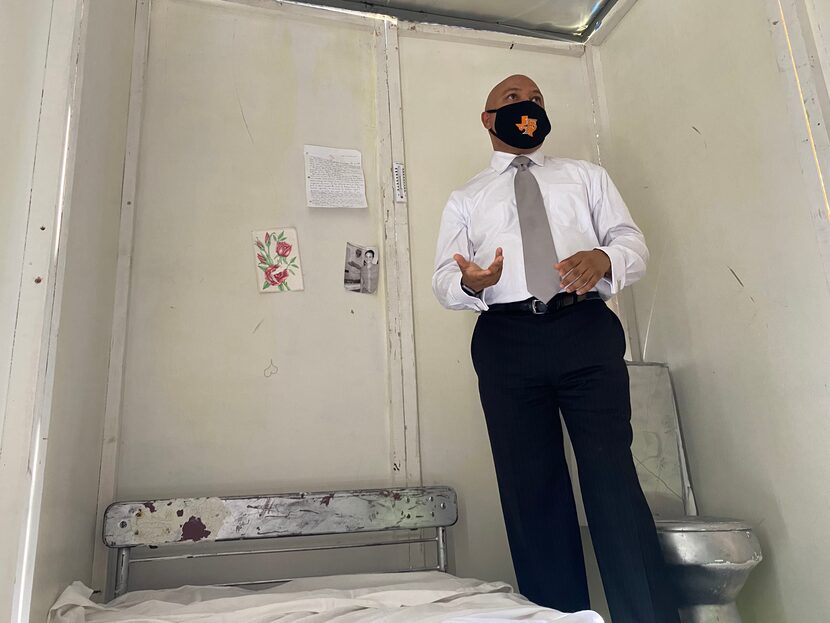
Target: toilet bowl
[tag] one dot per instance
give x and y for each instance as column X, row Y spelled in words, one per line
column 708, row 561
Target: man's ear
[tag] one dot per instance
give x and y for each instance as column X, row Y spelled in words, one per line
column 486, row 120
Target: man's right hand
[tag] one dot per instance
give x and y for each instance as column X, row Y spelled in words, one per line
column 477, row 278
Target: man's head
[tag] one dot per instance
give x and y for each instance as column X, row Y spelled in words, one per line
column 520, row 90
column 370, row 255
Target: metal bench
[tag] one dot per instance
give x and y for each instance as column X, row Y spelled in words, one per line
column 154, row 523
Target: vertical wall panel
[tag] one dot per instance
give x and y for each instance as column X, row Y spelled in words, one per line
column 24, row 35
column 703, row 144
column 67, row 525
column 232, row 94
column 445, row 84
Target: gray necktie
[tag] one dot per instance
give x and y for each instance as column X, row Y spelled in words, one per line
column 537, row 239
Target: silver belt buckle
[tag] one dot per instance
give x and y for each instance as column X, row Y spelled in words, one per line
column 538, row 307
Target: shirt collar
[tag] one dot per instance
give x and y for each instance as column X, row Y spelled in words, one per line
column 501, row 160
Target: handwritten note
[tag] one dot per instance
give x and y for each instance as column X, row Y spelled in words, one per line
column 334, row 178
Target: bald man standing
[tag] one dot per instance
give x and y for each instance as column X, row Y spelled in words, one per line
column 536, row 244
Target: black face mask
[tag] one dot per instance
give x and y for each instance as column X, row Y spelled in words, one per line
column 523, row 125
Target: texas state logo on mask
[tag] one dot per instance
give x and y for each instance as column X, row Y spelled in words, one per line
column 523, row 125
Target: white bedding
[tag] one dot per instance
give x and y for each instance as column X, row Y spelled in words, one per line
column 426, row 597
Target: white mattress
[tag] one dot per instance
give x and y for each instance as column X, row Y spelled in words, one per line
column 426, row 597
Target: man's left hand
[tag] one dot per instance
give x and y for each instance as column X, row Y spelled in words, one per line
column 581, row 272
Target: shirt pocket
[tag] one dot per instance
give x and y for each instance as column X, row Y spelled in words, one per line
column 567, row 205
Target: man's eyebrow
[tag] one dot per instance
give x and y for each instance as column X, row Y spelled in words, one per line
column 511, row 89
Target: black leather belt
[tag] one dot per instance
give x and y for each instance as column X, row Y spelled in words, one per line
column 537, row 307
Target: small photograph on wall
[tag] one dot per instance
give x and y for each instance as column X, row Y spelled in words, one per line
column 277, row 260
column 362, row 269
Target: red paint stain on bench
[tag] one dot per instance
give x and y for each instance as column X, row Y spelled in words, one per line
column 194, row 530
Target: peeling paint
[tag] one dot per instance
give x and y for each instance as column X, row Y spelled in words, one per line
column 295, row 514
column 194, row 530
column 163, row 523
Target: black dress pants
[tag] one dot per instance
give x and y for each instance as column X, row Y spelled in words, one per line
column 529, row 367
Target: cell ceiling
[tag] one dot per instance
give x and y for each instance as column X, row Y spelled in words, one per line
column 571, row 20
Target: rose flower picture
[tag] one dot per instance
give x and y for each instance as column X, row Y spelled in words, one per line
column 277, row 260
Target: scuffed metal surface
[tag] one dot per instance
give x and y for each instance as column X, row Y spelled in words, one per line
column 165, row 521
column 657, row 442
column 159, row 522
column 569, row 16
column 563, row 17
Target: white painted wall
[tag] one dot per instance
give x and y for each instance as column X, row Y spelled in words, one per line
column 702, row 143
column 24, row 31
column 24, row 28
column 38, row 52
column 232, row 94
column 817, row 14
column 445, row 82
column 68, row 512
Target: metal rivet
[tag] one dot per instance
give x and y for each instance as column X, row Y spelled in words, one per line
column 442, row 505
column 123, row 524
column 38, row 279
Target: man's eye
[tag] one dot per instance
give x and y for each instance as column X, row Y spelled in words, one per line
column 537, row 99
column 512, row 96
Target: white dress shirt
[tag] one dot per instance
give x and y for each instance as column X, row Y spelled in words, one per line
column 585, row 211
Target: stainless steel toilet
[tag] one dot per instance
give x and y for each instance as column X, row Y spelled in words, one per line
column 708, row 560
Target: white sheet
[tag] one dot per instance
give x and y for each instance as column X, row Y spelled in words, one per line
column 427, row 597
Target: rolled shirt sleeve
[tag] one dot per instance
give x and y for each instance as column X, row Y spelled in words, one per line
column 453, row 238
column 619, row 237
